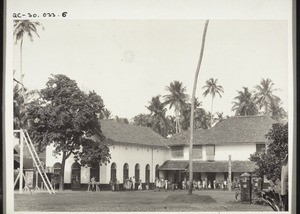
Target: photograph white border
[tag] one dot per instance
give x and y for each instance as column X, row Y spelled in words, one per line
column 147, row 10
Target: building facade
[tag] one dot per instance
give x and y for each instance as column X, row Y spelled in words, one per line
column 140, row 152
column 235, row 138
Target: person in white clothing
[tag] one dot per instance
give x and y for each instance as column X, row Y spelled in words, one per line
column 133, row 183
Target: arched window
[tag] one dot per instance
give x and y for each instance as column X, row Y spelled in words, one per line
column 137, row 172
column 57, row 168
column 75, row 175
column 125, row 172
column 156, row 171
column 95, row 171
column 147, row 173
column 113, row 172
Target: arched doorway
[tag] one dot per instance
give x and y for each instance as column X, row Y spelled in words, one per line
column 113, row 172
column 125, row 172
column 75, row 175
column 147, row 173
column 95, row 171
column 137, row 172
column 156, row 171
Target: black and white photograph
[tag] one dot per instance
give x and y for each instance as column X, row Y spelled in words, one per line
column 150, row 115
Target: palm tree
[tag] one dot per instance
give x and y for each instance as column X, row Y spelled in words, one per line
column 220, row 117
column 106, row 114
column 22, row 28
column 264, row 94
column 212, row 88
column 158, row 116
column 176, row 98
column 245, row 104
column 277, row 112
column 192, row 110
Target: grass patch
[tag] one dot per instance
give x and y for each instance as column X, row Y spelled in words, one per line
column 183, row 198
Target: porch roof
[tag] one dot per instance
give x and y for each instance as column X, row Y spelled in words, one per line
column 207, row 166
column 222, row 166
column 174, row 165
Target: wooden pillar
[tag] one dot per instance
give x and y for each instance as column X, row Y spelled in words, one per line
column 21, row 162
column 229, row 174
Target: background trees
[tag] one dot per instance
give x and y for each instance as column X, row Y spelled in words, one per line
column 67, row 117
column 269, row 162
column 245, row 103
column 212, row 88
column 177, row 98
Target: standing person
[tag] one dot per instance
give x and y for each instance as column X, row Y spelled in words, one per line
column 284, row 183
column 214, row 183
column 133, row 183
column 156, row 184
column 209, row 184
column 222, row 184
column 93, row 184
column 236, row 188
column 130, row 183
column 140, row 185
column 199, row 184
column 117, row 185
column 162, row 183
column 225, row 184
column 166, row 184
column 204, row 184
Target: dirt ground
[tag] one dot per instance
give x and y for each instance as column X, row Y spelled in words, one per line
column 147, row 201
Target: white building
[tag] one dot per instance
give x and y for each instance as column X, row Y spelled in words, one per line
column 140, row 152
column 237, row 137
column 137, row 151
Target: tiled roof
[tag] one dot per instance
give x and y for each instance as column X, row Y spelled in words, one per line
column 126, row 133
column 206, row 166
column 238, row 129
column 222, row 166
column 174, row 165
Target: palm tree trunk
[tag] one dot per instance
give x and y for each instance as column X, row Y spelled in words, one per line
column 190, row 192
column 211, row 111
column 22, row 85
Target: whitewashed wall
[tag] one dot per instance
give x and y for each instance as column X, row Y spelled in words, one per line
column 237, row 152
column 120, row 154
column 222, row 152
column 133, row 154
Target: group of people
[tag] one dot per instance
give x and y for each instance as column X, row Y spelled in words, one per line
column 215, row 184
column 130, row 184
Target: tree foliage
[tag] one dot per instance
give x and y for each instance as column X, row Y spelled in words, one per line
column 67, row 117
column 245, row 103
column 269, row 162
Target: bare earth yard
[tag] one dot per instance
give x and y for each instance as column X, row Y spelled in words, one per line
column 150, row 200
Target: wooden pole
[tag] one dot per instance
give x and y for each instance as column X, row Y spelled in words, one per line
column 192, row 111
column 21, row 162
column 229, row 174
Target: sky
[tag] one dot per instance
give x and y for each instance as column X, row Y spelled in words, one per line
column 129, row 62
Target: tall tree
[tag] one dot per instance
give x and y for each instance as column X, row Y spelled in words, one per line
column 276, row 111
column 177, row 98
column 245, row 104
column 269, row 162
column 158, row 116
column 212, row 88
column 23, row 28
column 264, row 95
column 190, row 192
column 67, row 118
